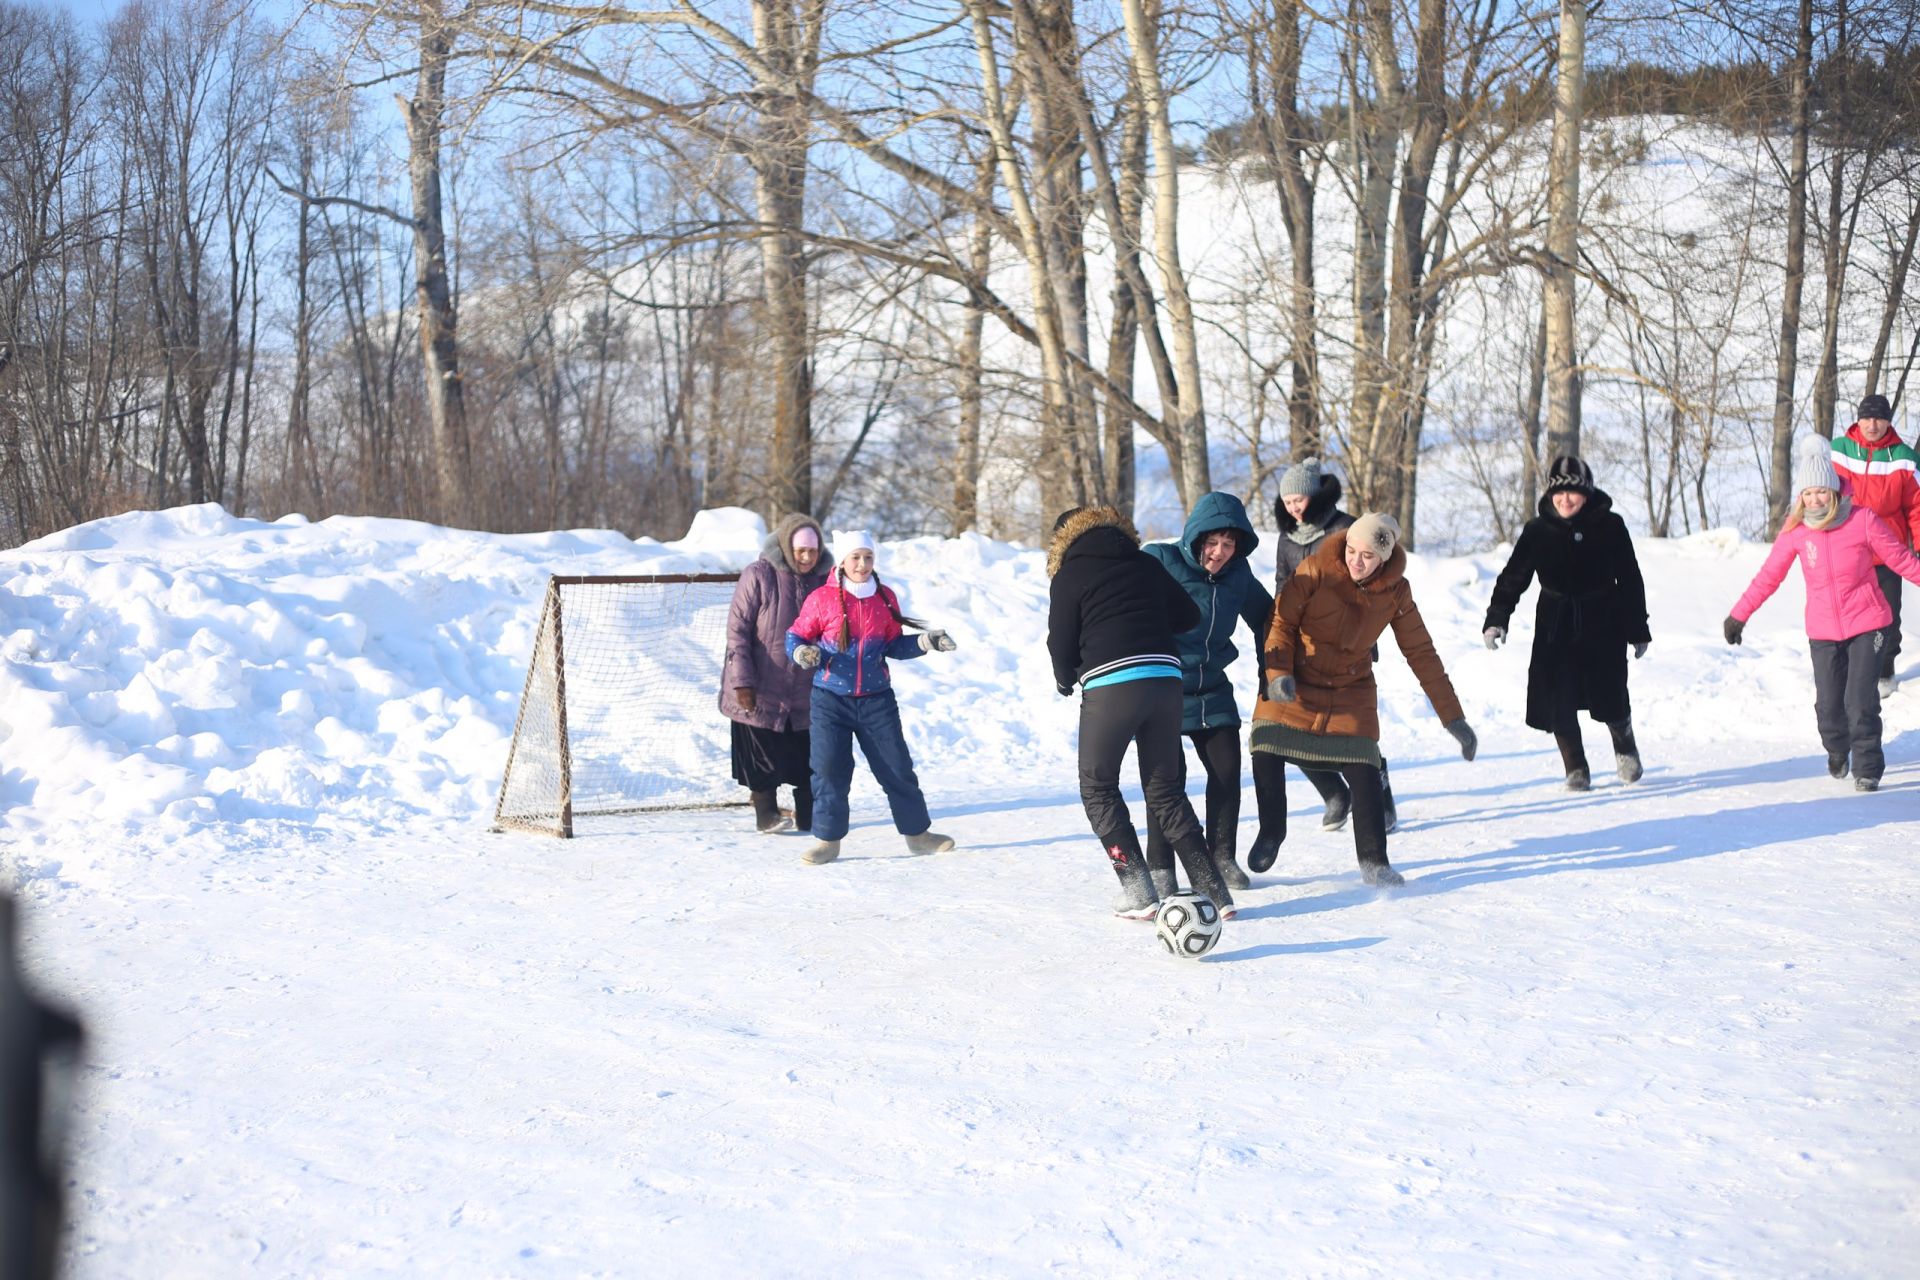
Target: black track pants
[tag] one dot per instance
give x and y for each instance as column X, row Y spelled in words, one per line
column 1219, row 752
column 1369, row 805
column 1846, row 700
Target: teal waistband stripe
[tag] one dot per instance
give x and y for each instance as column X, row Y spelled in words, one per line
column 1133, row 673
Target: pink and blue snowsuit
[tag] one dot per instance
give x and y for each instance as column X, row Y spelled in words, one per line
column 853, row 701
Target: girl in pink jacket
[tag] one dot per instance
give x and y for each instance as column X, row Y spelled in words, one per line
column 1837, row 545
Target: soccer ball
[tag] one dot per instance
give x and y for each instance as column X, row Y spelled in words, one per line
column 1188, row 924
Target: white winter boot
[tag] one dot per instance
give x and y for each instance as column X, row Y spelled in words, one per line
column 929, row 841
column 823, row 851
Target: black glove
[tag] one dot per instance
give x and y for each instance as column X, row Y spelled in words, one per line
column 807, row 655
column 1732, row 628
column 1064, row 690
column 1282, row 689
column 1463, row 734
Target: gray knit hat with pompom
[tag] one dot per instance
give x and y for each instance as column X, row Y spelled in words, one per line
column 1302, row 478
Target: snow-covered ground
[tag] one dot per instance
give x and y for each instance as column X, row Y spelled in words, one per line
column 246, row 771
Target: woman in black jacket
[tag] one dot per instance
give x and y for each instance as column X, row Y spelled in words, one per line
column 1112, row 615
column 1593, row 605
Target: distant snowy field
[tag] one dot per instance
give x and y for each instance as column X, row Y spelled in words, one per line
column 246, row 771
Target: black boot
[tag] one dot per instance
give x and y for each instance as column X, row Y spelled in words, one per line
column 1138, row 901
column 1391, row 815
column 766, row 812
column 1626, row 753
column 1836, row 764
column 803, row 808
column 1229, row 869
column 1204, row 876
column 1265, row 849
column 1573, row 757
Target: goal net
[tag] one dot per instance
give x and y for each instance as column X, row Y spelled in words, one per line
column 619, row 714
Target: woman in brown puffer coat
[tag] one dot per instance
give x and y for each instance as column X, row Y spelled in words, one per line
column 1322, row 709
column 766, row 696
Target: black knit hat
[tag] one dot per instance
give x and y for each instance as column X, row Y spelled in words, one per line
column 1875, row 406
column 1568, row 472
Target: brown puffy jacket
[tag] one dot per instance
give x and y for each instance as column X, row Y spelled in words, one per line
column 1323, row 629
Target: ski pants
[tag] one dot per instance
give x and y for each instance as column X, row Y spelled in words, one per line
column 1889, row 634
column 872, row 720
column 1146, row 715
column 1369, row 804
column 1846, row 700
column 1219, row 752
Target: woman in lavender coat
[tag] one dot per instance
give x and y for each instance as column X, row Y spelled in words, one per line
column 761, row 691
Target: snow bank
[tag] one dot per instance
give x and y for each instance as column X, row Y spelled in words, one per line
column 187, row 667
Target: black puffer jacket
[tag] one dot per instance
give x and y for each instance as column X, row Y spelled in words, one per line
column 1111, row 605
column 1593, row 604
column 1321, row 518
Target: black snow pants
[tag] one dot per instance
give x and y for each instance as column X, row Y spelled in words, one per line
column 1146, row 715
column 1362, row 783
column 1846, row 700
column 1219, row 752
column 1890, row 585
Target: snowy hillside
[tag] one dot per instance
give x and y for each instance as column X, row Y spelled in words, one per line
column 246, row 771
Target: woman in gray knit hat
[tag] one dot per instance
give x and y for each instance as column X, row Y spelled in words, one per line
column 1307, row 511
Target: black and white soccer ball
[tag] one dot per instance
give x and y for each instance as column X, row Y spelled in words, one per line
column 1188, row 924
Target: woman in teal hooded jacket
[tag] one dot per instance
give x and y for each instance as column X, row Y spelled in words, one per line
column 1210, row 562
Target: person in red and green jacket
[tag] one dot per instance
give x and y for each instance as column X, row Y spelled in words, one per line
column 1880, row 470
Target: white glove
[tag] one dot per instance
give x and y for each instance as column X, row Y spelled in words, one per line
column 1493, row 636
column 807, row 655
column 936, row 640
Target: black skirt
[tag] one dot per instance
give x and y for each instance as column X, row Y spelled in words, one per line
column 767, row 758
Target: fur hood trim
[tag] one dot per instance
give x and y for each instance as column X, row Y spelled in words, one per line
column 1085, row 521
column 777, row 549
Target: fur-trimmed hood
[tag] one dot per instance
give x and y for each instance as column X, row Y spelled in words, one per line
column 777, row 549
column 1082, row 522
column 1320, row 505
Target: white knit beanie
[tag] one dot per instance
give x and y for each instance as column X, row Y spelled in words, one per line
column 848, row 541
column 1813, row 465
column 1375, row 531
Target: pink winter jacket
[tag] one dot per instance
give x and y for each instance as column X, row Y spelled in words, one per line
column 1843, row 597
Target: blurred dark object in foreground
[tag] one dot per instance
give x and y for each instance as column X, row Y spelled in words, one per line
column 39, row 1051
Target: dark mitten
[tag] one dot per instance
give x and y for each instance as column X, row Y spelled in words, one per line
column 745, row 698
column 1640, row 650
column 1463, row 734
column 1282, row 690
column 1732, row 628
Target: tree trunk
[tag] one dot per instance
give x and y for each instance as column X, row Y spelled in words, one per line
column 1785, row 367
column 1285, row 136
column 1563, row 232
column 966, row 462
column 1375, row 131
column 1189, row 415
column 1896, row 291
column 439, row 348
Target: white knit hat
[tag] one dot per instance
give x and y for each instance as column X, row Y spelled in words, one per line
column 1813, row 465
column 1376, row 532
column 848, row 541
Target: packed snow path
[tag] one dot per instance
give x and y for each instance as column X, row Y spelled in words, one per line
column 1652, row 1030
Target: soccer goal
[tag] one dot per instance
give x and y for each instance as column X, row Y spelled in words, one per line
column 618, row 715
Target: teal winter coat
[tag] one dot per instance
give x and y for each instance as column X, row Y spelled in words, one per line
column 1234, row 592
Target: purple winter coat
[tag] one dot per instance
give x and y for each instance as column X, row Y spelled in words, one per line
column 765, row 604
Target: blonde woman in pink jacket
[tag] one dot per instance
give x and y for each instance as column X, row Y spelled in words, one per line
column 1837, row 545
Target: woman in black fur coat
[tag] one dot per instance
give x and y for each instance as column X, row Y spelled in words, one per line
column 1593, row 606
